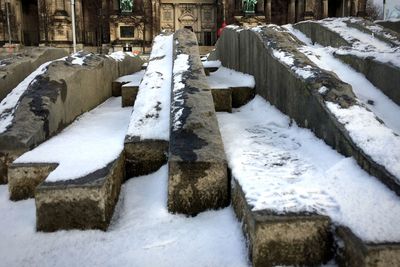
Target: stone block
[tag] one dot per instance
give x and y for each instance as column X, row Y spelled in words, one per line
column 129, row 94
column 198, row 178
column 144, row 156
column 392, row 25
column 207, row 70
column 222, row 99
column 241, row 96
column 24, row 178
column 283, row 239
column 353, row 252
column 84, row 203
column 116, row 88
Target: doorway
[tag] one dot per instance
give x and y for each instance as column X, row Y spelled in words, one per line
column 335, row 8
column 279, row 12
column 30, row 22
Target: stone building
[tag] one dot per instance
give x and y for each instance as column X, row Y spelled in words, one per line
column 118, row 22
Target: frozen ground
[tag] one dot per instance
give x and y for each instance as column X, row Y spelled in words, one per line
column 287, row 169
column 142, row 234
column 91, row 142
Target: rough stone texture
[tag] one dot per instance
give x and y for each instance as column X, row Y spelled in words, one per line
column 19, row 65
column 385, row 76
column 392, row 25
column 116, row 88
column 208, row 70
column 144, row 156
column 84, row 203
column 62, row 93
column 198, row 178
column 129, row 94
column 293, row 95
column 292, row 239
column 353, row 252
column 222, row 99
column 241, row 96
column 24, row 178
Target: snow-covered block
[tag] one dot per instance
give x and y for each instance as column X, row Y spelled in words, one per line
column 275, row 239
column 292, row 82
column 366, row 47
column 16, row 67
column 76, row 176
column 84, row 203
column 51, row 98
column 146, row 141
column 354, row 252
column 198, row 178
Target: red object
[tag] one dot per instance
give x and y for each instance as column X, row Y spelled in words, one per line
column 219, row 32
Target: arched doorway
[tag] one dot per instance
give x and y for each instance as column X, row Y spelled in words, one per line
column 30, row 22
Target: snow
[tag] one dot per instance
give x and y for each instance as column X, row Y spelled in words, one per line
column 181, row 65
column 225, row 78
column 362, row 44
column 79, row 58
column 142, row 233
column 323, row 57
column 151, row 112
column 211, row 64
column 90, row 143
column 285, row 168
column 132, row 79
column 370, row 135
column 10, row 103
column 118, row 56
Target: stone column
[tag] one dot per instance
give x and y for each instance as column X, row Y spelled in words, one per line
column 268, row 16
column 348, row 13
column 300, row 10
column 176, row 22
column 292, row 11
column 60, row 5
column 325, row 8
column 354, row 8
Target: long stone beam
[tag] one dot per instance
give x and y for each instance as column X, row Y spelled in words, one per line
column 198, row 178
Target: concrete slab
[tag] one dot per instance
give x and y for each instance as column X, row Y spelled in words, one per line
column 84, row 203
column 129, row 94
column 353, row 252
column 198, row 178
column 283, row 239
column 222, row 99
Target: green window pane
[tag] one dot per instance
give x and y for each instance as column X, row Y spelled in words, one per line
column 126, row 5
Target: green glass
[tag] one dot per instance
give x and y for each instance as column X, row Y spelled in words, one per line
column 249, row 6
column 126, row 5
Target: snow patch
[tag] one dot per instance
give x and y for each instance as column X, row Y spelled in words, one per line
column 132, row 79
column 225, row 78
column 181, row 65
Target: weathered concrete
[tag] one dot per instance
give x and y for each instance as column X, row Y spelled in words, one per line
column 385, row 76
column 16, row 67
column 144, row 156
column 222, row 99
column 294, row 95
column 116, row 88
column 26, row 177
column 198, row 178
column 129, row 94
column 84, row 203
column 291, row 239
column 353, row 252
column 241, row 96
column 392, row 25
column 62, row 93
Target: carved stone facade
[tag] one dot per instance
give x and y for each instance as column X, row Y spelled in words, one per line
column 118, row 22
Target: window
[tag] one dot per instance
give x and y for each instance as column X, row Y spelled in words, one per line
column 126, row 31
column 126, row 5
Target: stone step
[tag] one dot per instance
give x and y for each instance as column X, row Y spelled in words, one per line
column 382, row 73
column 66, row 89
column 16, row 67
column 295, row 85
column 198, row 178
column 147, row 138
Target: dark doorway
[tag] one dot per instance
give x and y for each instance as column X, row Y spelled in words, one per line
column 279, row 12
column 335, row 8
column 189, row 28
column 30, row 22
